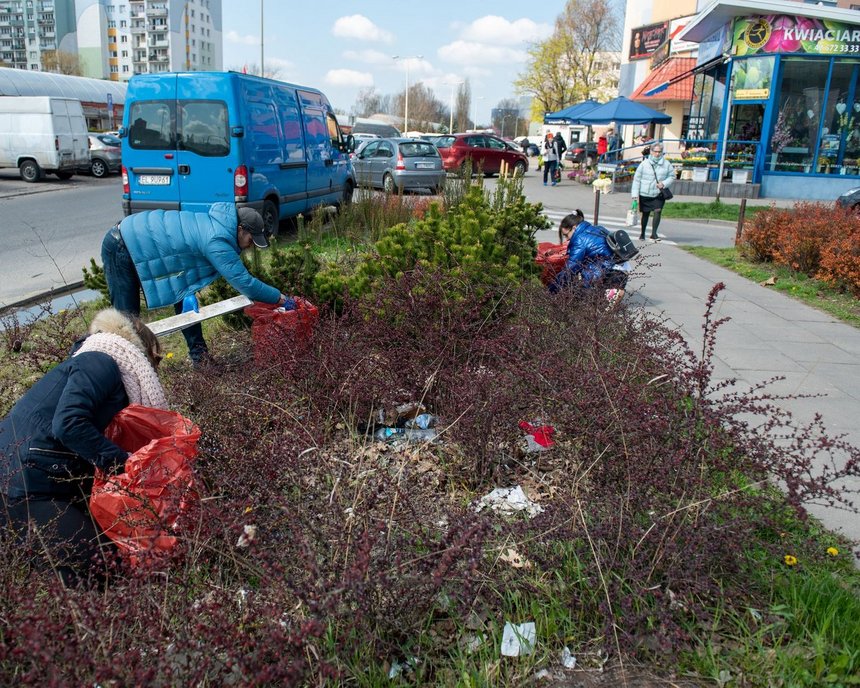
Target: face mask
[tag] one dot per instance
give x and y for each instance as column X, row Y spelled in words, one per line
column 657, row 155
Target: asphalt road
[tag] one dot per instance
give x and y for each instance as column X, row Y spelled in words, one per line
column 50, row 230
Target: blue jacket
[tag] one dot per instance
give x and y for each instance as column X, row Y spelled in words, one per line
column 52, row 439
column 588, row 255
column 177, row 253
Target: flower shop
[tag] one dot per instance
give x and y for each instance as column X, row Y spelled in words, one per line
column 780, row 94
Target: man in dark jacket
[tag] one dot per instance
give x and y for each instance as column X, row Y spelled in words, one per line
column 172, row 254
column 588, row 257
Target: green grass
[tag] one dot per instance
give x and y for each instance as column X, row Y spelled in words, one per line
column 810, row 291
column 715, row 210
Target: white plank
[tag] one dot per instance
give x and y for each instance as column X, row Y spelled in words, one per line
column 178, row 322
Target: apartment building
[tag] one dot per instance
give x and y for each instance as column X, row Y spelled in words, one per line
column 113, row 39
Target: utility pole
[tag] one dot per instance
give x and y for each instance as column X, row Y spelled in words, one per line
column 452, row 84
column 262, row 67
column 406, row 99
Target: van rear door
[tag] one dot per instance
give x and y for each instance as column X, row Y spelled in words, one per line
column 207, row 156
column 149, row 146
column 64, row 140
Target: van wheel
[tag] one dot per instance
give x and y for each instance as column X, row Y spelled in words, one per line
column 388, row 184
column 30, row 171
column 271, row 221
column 98, row 168
column 65, row 175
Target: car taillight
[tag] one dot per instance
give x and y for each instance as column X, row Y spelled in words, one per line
column 240, row 182
column 125, row 188
column 56, row 143
column 400, row 164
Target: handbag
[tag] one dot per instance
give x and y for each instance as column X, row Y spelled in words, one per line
column 666, row 193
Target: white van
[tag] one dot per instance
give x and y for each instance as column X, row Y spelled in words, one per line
column 42, row 134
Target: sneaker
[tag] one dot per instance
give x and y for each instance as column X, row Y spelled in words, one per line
column 656, row 238
column 544, row 183
column 555, row 183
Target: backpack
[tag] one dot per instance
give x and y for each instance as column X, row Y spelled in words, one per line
column 620, row 244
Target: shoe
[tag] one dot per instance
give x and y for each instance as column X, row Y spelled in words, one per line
column 656, row 238
column 555, row 183
column 642, row 238
column 544, row 183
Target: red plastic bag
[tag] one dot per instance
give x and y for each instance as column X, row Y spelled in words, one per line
column 140, row 509
column 551, row 258
column 275, row 331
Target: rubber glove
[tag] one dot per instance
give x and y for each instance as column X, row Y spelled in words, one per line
column 189, row 303
column 289, row 304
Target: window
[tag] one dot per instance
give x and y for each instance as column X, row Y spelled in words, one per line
column 418, row 150
column 334, row 133
column 203, row 127
column 840, row 127
column 151, row 125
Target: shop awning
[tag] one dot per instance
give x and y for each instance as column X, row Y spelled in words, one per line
column 675, row 76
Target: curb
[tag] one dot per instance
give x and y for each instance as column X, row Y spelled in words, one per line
column 43, row 297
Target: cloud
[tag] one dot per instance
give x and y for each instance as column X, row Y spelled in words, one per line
column 348, row 77
column 360, row 27
column 495, row 30
column 374, row 57
column 235, row 37
column 471, row 53
column 417, row 66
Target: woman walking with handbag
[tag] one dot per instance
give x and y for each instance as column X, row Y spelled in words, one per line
column 651, row 185
column 550, row 159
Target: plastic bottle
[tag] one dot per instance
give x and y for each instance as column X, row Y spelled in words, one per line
column 422, row 420
column 407, row 434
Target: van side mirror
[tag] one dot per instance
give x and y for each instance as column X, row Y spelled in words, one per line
column 237, row 132
column 122, row 132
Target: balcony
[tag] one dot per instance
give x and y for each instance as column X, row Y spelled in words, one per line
column 156, row 12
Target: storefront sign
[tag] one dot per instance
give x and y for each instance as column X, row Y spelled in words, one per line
column 751, row 78
column 791, row 34
column 660, row 55
column 676, row 27
column 646, row 39
column 714, row 45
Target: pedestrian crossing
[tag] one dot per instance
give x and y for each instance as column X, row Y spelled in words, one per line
column 610, row 222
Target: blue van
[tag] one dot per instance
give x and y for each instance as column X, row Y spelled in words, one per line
column 190, row 139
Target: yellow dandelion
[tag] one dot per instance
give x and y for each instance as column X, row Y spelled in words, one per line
column 169, row 354
column 790, row 560
column 832, row 551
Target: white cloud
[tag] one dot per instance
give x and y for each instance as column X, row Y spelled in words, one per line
column 417, row 66
column 498, row 30
column 471, row 53
column 235, row 37
column 348, row 77
column 360, row 27
column 374, row 57
column 284, row 66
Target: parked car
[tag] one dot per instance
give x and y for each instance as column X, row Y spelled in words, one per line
column 398, row 164
column 485, row 151
column 105, row 155
column 850, row 199
column 580, row 152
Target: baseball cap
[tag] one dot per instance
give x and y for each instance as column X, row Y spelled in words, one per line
column 252, row 222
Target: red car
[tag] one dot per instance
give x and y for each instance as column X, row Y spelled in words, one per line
column 487, row 152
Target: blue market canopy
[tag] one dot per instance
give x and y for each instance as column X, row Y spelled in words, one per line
column 571, row 114
column 624, row 111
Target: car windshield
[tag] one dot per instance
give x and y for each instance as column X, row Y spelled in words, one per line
column 109, row 140
column 418, row 149
column 445, row 141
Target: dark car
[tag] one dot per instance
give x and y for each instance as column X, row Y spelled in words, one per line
column 580, row 152
column 485, row 151
column 850, row 199
column 397, row 164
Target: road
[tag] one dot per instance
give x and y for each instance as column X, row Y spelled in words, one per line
column 50, row 230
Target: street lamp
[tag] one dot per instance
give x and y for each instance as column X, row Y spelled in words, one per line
column 262, row 69
column 452, row 84
column 406, row 59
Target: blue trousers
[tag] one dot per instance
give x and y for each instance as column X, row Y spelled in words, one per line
column 124, row 289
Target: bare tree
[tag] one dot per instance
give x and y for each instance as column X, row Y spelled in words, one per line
column 370, row 102
column 425, row 109
column 61, row 62
column 462, row 107
column 271, row 72
column 565, row 68
column 507, row 120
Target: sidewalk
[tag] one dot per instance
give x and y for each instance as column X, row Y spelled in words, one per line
column 769, row 334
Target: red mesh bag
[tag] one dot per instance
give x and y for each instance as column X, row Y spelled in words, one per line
column 275, row 331
column 141, row 508
column 551, row 258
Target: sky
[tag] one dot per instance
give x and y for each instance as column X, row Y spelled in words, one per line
column 342, row 47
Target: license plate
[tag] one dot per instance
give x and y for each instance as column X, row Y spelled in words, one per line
column 154, row 180
column 424, row 165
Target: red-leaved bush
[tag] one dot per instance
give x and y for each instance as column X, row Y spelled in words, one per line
column 319, row 555
column 840, row 259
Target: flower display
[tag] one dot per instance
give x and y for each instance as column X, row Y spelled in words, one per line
column 790, row 560
column 781, row 133
column 604, row 185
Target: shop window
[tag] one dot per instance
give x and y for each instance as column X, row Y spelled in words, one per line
column 840, row 127
column 793, row 141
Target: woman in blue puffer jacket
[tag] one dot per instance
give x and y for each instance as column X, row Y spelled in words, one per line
column 590, row 261
column 53, row 439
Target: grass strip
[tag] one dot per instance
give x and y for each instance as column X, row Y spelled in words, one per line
column 810, row 291
column 715, row 210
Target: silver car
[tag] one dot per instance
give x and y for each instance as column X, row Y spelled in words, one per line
column 398, row 164
column 105, row 154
